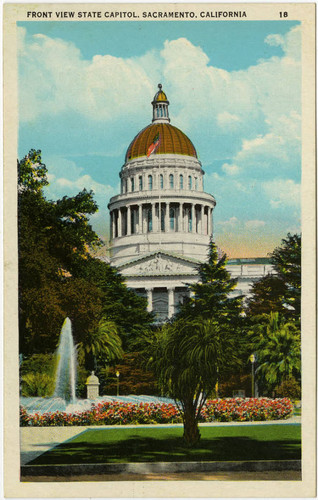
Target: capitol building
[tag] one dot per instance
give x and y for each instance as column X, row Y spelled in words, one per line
column 162, row 220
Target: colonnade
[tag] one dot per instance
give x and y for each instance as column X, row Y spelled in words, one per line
column 156, row 217
column 165, row 179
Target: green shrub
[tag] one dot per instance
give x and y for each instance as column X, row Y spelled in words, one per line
column 37, row 384
column 290, row 388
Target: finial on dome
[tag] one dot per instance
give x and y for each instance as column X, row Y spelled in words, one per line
column 159, row 86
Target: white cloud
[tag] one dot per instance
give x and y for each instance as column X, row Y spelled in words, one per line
column 229, row 224
column 230, row 169
column 282, row 192
column 254, row 224
column 226, row 119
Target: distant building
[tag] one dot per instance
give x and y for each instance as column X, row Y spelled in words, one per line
column 162, row 221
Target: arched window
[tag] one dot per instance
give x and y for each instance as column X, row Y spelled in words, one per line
column 160, row 110
column 140, row 183
column 190, row 182
column 161, row 181
column 181, row 181
column 171, row 181
column 149, row 220
column 150, row 182
column 132, row 180
column 172, row 219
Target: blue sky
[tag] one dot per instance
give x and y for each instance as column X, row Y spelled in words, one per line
column 234, row 88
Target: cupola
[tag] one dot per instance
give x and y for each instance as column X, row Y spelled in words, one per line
column 160, row 105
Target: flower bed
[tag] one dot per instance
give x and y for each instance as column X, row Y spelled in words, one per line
column 220, row 410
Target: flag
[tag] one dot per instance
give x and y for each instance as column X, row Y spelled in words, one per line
column 154, row 146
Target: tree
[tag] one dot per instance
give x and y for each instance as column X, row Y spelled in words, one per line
column 58, row 277
column 280, row 292
column 211, row 296
column 187, row 357
column 103, row 344
column 277, row 347
column 287, row 263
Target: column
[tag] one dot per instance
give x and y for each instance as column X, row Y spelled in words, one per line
column 181, row 218
column 193, row 217
column 113, row 224
column 167, row 228
column 170, row 302
column 140, row 218
column 119, row 223
column 128, row 220
column 211, row 221
column 202, row 219
column 149, row 299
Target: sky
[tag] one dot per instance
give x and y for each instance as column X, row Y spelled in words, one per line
column 85, row 91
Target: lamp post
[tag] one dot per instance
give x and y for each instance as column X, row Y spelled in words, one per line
column 117, row 375
column 252, row 360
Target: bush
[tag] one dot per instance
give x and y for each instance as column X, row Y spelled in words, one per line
column 290, row 388
column 37, row 384
column 221, row 410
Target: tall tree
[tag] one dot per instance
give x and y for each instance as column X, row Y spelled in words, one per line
column 187, row 357
column 58, row 277
column 280, row 291
column 211, row 296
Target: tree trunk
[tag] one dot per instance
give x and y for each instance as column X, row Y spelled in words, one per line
column 191, row 433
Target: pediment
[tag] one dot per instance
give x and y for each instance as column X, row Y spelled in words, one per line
column 159, row 263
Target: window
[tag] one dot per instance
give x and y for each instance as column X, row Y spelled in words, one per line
column 172, row 218
column 189, row 220
column 196, row 183
column 132, row 181
column 162, row 219
column 190, row 182
column 140, row 183
column 171, row 181
column 150, row 182
column 149, row 220
column 181, row 181
column 161, row 181
column 126, row 186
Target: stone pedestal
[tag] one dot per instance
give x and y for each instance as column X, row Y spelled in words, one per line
column 92, row 384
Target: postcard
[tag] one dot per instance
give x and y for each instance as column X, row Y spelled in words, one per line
column 159, row 223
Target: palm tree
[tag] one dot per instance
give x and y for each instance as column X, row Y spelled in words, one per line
column 186, row 357
column 278, row 351
column 103, row 342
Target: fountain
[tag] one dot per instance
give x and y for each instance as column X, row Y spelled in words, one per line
column 64, row 398
column 66, row 368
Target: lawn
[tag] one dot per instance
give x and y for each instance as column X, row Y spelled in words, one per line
column 221, row 443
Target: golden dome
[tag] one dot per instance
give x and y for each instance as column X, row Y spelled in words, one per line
column 172, row 141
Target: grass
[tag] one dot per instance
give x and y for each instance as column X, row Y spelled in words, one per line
column 221, row 443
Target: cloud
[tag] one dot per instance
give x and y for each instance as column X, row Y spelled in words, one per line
column 229, row 224
column 246, row 124
column 282, row 192
column 226, row 120
column 254, row 224
column 230, row 169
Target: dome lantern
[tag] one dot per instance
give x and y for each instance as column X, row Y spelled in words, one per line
column 160, row 105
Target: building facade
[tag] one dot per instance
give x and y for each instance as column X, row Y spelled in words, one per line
column 162, row 221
